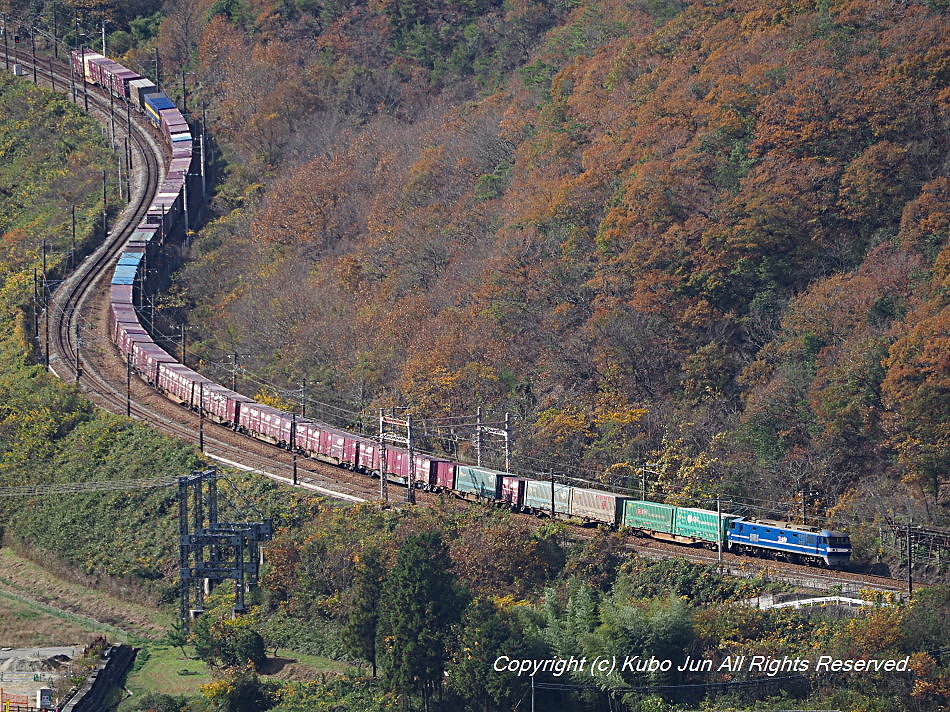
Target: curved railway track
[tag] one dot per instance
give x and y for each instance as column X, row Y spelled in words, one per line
column 82, row 299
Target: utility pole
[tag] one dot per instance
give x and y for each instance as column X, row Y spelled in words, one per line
column 72, row 79
column 72, row 243
column 6, row 48
column 111, row 118
column 184, row 201
column 158, row 71
column 910, row 561
column 719, row 527
column 85, row 84
column 105, row 228
column 46, row 307
column 201, row 141
column 128, row 172
column 293, row 444
column 411, row 477
column 390, row 436
column 201, row 416
column 478, row 436
column 128, row 135
column 383, row 482
column 128, row 385
column 182, row 327
column 33, row 53
column 36, row 306
column 78, row 344
column 507, row 442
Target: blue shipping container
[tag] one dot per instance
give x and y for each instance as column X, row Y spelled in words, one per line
column 156, row 103
column 124, row 274
column 130, row 259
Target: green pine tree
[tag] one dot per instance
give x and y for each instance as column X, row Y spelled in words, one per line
column 420, row 604
column 359, row 632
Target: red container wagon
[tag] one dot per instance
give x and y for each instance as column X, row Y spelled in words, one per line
column 170, row 189
column 98, row 71
column 434, row 474
column 223, row 405
column 121, row 313
column 181, row 383
column 333, row 446
column 367, row 459
column 147, row 357
column 512, row 491
column 397, row 465
column 172, row 122
column 116, row 78
column 307, row 437
column 81, row 60
column 181, row 150
column 351, row 450
column 171, row 129
column 122, row 323
column 122, row 80
column 444, row 475
column 265, row 422
column 129, row 335
column 120, row 294
column 182, row 165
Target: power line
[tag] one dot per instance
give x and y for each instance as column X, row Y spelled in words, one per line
column 78, row 487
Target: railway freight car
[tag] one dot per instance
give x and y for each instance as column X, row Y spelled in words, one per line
column 362, row 454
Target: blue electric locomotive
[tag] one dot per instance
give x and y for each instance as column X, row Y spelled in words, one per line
column 794, row 542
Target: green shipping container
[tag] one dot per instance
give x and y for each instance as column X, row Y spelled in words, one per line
column 478, row 481
column 652, row 516
column 701, row 524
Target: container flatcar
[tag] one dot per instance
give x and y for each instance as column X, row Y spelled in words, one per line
column 512, row 491
column 649, row 517
column 154, row 105
column 138, row 90
column 541, row 497
column 702, row 525
column 477, row 482
column 265, row 422
column 596, row 506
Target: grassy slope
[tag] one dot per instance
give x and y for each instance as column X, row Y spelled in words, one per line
column 48, row 431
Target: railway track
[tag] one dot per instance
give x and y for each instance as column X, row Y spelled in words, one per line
column 82, row 298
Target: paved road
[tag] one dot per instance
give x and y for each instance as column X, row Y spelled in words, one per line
column 68, row 651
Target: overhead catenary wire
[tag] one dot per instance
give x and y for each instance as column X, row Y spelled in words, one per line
column 579, row 475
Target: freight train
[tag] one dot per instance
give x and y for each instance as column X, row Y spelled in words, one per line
column 180, row 383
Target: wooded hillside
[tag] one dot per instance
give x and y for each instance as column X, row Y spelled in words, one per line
column 708, row 236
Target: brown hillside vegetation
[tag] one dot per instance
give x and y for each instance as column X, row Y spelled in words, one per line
column 708, row 235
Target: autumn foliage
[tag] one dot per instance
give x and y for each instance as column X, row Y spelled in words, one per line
column 707, row 234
